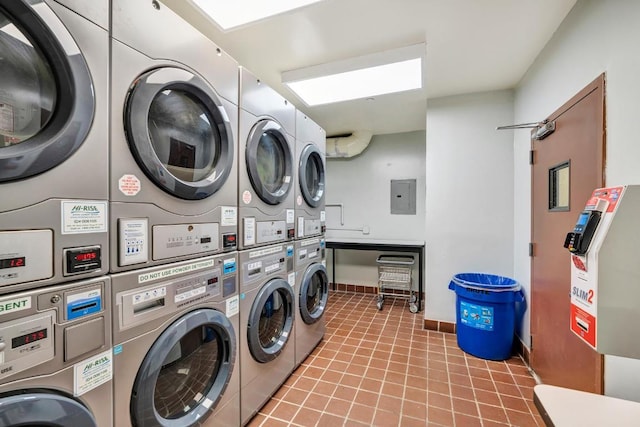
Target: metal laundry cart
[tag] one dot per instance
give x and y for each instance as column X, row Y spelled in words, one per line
column 395, row 279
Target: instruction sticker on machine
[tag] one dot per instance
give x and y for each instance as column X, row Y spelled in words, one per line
column 476, row 316
column 92, row 373
column 229, row 216
column 82, row 216
column 233, row 306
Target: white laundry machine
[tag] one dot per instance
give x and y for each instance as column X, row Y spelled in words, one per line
column 312, row 293
column 311, row 142
column 265, row 164
column 53, row 142
column 173, row 178
column 55, row 356
column 267, row 351
column 175, row 344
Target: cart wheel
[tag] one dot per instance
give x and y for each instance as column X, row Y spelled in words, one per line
column 413, row 308
column 379, row 305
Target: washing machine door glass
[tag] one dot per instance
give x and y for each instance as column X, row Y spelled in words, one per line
column 311, row 175
column 269, row 162
column 46, row 94
column 185, row 372
column 37, row 408
column 314, row 292
column 270, row 320
column 179, row 133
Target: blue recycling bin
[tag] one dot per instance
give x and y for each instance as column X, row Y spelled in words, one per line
column 486, row 313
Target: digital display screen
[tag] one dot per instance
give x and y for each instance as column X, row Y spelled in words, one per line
column 582, row 219
column 28, row 338
column 12, row 262
column 86, row 256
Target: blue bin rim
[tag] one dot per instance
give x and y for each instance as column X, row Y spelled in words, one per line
column 502, row 283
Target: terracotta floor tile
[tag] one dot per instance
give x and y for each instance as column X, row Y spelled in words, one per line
column 381, row 368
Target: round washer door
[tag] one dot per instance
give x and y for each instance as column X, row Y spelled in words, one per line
column 269, row 162
column 185, row 372
column 179, row 133
column 311, row 175
column 31, row 408
column 46, row 93
column 314, row 292
column 270, row 320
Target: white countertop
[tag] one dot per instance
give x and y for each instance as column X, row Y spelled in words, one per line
column 566, row 407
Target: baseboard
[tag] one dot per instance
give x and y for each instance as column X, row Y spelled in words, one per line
column 437, row 325
column 522, row 350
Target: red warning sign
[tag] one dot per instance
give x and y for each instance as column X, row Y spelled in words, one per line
column 129, row 185
column 584, row 325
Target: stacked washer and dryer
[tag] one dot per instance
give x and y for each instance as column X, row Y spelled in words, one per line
column 161, row 230
column 173, row 219
column 311, row 280
column 55, row 310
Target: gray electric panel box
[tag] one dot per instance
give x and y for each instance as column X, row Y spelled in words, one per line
column 403, row 196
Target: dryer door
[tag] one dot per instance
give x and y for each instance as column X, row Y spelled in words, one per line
column 270, row 320
column 179, row 133
column 185, row 372
column 314, row 292
column 269, row 162
column 46, row 93
column 31, row 408
column 311, row 175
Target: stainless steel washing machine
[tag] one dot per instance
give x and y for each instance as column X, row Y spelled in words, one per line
column 266, row 164
column 174, row 115
column 56, row 364
column 175, row 344
column 312, row 293
column 267, row 351
column 311, row 142
column 53, row 142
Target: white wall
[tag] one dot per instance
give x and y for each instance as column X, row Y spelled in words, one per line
column 469, row 218
column 363, row 184
column 597, row 36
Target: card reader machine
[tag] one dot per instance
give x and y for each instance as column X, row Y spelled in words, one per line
column 579, row 239
column 605, row 272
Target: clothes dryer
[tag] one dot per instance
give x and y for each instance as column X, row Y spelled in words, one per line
column 174, row 114
column 55, row 357
column 175, row 344
column 267, row 353
column 311, row 142
column 53, row 142
column 266, row 164
column 312, row 293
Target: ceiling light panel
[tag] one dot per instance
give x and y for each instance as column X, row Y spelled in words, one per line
column 231, row 14
column 361, row 77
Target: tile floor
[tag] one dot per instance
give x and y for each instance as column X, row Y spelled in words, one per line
column 381, row 368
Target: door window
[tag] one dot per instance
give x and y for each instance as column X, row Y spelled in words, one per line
column 269, row 162
column 28, row 92
column 186, row 373
column 178, row 133
column 270, row 320
column 314, row 293
column 46, row 93
column 311, row 175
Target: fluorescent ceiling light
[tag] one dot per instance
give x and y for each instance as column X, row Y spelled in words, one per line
column 362, row 77
column 229, row 14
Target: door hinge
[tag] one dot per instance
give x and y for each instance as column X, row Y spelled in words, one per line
column 530, row 342
column 530, row 249
column 532, row 155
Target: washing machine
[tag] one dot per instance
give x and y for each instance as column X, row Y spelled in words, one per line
column 175, row 344
column 267, row 351
column 311, row 142
column 53, row 142
column 56, row 365
column 312, row 292
column 173, row 180
column 266, row 164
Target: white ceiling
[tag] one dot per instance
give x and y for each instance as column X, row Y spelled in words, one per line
column 472, row 46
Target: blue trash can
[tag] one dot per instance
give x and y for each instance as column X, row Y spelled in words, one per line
column 486, row 313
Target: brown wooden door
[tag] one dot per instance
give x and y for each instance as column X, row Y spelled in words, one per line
column 557, row 356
